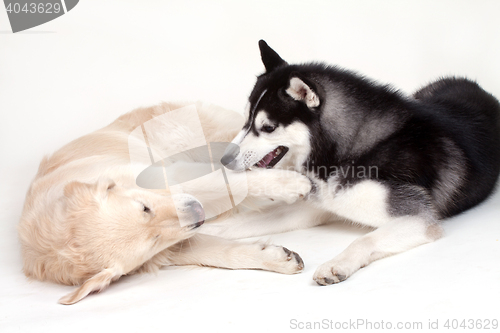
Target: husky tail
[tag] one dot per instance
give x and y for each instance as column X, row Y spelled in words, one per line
column 471, row 116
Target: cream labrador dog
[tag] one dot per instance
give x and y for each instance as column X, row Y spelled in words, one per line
column 86, row 222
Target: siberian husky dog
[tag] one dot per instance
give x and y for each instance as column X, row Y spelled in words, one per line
column 375, row 156
column 86, row 222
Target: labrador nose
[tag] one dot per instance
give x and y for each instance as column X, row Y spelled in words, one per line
column 189, row 210
column 197, row 213
column 230, row 155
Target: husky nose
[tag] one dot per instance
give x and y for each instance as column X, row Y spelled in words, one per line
column 230, row 154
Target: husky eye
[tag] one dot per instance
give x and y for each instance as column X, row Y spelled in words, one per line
column 146, row 209
column 268, row 128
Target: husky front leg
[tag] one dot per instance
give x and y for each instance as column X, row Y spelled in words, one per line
column 204, row 250
column 399, row 235
column 276, row 184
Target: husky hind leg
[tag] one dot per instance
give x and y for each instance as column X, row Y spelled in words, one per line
column 397, row 236
column 404, row 218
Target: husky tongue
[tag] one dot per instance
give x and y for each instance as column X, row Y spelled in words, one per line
column 272, row 158
column 266, row 160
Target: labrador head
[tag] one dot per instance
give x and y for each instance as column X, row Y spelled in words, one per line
column 109, row 231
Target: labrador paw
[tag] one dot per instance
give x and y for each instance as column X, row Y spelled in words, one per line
column 280, row 259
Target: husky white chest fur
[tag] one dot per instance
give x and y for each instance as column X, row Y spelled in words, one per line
column 375, row 156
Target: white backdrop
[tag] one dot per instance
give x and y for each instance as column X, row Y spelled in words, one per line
column 79, row 72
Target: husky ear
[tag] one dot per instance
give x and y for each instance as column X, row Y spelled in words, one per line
column 270, row 58
column 300, row 91
column 96, row 283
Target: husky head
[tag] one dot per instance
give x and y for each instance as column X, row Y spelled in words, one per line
column 281, row 109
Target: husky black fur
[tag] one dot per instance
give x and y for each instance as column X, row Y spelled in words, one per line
column 436, row 153
column 445, row 139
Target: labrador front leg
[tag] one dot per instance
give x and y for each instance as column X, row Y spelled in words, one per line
column 399, row 235
column 205, row 250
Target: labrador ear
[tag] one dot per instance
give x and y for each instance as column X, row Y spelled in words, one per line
column 300, row 91
column 77, row 192
column 75, row 188
column 270, row 58
column 96, row 283
column 103, row 186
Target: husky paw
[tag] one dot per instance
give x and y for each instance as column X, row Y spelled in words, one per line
column 290, row 186
column 297, row 188
column 281, row 260
column 279, row 185
column 332, row 272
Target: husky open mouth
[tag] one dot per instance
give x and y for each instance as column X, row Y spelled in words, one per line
column 272, row 158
